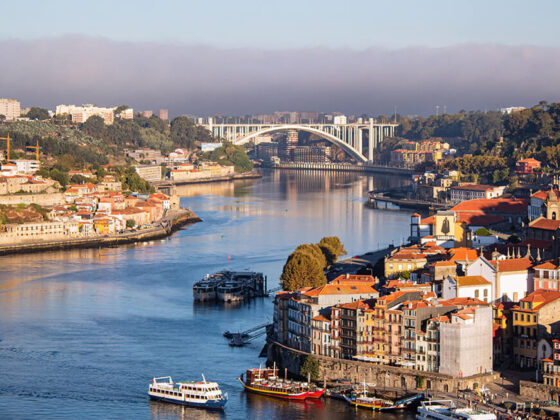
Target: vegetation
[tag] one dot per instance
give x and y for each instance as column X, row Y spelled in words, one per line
column 130, row 223
column 302, row 270
column 305, row 266
column 230, row 155
column 482, row 231
column 35, row 113
column 310, row 367
column 131, row 181
column 22, row 213
column 332, row 248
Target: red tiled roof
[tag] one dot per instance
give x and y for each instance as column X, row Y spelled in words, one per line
column 474, row 187
column 514, row 264
column 546, row 266
column 529, row 160
column 477, row 219
column 467, row 281
column 501, row 205
column 545, row 224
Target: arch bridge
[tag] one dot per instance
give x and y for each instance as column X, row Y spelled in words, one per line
column 349, row 137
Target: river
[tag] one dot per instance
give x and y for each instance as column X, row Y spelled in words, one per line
column 82, row 332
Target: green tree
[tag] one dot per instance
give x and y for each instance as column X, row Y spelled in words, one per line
column 315, row 251
column 482, row 231
column 310, row 367
column 405, row 275
column 36, row 113
column 130, row 223
column 302, row 270
column 94, row 126
column 60, row 176
column 332, row 248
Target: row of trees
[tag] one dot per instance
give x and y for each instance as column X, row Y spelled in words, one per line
column 230, row 154
column 305, row 267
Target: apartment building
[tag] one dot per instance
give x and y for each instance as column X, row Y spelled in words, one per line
column 10, row 108
column 475, row 191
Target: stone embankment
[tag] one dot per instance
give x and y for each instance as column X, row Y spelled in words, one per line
column 385, row 376
column 173, row 221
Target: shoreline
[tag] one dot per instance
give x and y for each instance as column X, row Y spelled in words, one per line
column 172, row 222
column 167, row 183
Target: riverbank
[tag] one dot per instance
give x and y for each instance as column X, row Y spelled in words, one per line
column 171, row 222
column 169, row 182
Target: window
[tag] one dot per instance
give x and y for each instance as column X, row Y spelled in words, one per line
column 476, row 293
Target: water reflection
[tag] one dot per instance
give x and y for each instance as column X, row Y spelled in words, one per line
column 163, row 411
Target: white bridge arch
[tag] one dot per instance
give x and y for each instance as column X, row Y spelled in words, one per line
column 335, row 140
column 347, row 136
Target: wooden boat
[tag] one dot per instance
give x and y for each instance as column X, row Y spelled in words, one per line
column 266, row 382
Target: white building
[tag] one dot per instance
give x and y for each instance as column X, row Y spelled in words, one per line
column 10, row 108
column 474, row 191
column 80, row 114
column 476, row 287
column 26, row 166
column 340, row 119
column 466, row 342
column 511, row 279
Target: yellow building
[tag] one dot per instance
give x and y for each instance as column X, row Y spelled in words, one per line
column 402, row 261
column 534, row 317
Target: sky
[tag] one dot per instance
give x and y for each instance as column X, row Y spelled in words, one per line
column 246, row 56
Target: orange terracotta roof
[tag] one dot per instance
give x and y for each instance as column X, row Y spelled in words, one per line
column 358, row 304
column 529, row 160
column 427, row 220
column 477, row 219
column 353, row 278
column 322, row 318
column 462, row 254
column 465, row 281
column 546, row 266
column 462, row 301
column 445, row 263
column 501, row 205
column 514, row 264
column 442, row 318
column 541, row 297
column 473, row 187
column 545, row 224
column 344, row 289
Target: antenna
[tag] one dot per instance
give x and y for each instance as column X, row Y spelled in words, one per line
column 437, row 110
column 395, row 113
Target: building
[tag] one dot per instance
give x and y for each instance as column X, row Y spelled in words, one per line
column 535, row 317
column 547, row 276
column 80, row 114
column 149, row 172
column 265, row 151
column 25, row 166
column 43, row 231
column 340, row 119
column 402, row 261
column 10, row 108
column 287, row 145
column 527, row 166
column 466, row 342
column 163, row 114
column 305, row 154
column 511, row 279
column 476, row 287
column 474, row 191
column 551, row 366
column 147, row 114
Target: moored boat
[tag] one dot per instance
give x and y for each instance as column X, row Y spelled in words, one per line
column 200, row 394
column 446, row 410
column 266, row 382
column 362, row 400
column 205, row 289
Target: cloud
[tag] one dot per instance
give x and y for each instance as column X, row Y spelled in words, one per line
column 206, row 80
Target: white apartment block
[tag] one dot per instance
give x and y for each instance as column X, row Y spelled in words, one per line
column 10, row 108
column 80, row 114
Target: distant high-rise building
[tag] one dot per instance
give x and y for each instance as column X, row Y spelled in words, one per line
column 287, row 145
column 340, row 119
column 164, row 114
column 147, row 114
column 10, row 108
column 80, row 114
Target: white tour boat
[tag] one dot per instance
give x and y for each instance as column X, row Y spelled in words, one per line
column 446, row 410
column 201, row 394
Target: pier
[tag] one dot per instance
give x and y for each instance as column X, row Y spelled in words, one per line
column 345, row 167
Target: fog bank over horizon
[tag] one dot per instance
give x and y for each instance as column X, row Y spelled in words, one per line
column 207, row 80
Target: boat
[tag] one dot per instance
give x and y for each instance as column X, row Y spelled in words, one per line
column 266, row 382
column 205, row 289
column 362, row 400
column 232, row 290
column 201, row 394
column 446, row 410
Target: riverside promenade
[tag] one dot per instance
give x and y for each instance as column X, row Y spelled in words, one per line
column 170, row 223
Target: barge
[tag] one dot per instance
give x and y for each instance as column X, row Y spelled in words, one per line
column 230, row 286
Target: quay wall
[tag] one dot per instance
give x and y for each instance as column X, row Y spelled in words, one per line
column 384, row 376
column 533, row 391
column 168, row 183
column 170, row 224
column 52, row 199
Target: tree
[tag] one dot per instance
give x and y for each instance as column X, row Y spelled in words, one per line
column 332, row 248
column 60, row 176
column 482, row 231
column 36, row 113
column 130, row 223
column 302, row 270
column 94, row 126
column 310, row 367
column 315, row 252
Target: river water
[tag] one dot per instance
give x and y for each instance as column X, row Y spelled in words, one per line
column 82, row 332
